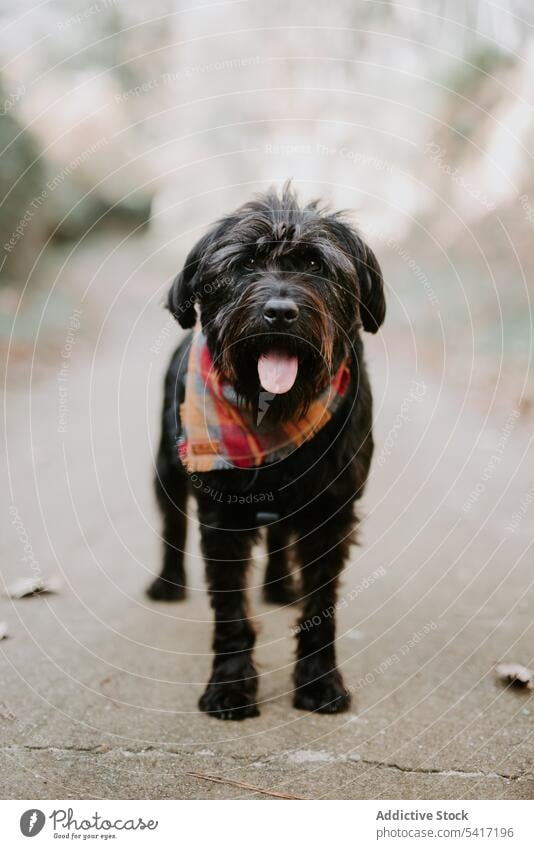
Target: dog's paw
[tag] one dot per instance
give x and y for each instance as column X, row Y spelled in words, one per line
column 231, row 693
column 279, row 592
column 327, row 694
column 227, row 701
column 162, row 589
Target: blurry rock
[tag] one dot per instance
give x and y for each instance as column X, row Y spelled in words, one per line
column 4, row 632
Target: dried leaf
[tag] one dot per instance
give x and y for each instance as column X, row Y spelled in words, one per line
column 23, row 587
column 517, row 675
column 4, row 632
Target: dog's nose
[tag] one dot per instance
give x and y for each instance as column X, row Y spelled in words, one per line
column 280, row 311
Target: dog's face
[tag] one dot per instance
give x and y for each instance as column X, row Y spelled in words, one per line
column 283, row 291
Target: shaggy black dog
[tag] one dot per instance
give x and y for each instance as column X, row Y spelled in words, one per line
column 298, row 281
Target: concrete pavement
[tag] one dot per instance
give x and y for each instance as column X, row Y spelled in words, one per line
column 98, row 686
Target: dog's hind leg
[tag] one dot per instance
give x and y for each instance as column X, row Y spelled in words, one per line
column 322, row 552
column 278, row 585
column 232, row 688
column 171, row 492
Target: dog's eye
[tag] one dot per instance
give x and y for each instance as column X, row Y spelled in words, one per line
column 313, row 264
column 250, row 263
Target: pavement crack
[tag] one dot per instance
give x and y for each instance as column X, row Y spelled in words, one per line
column 445, row 773
column 98, row 749
column 103, row 749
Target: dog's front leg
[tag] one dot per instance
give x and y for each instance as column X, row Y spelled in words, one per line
column 278, row 587
column 322, row 552
column 231, row 691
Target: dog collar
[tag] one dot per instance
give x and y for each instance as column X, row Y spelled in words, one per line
column 217, row 432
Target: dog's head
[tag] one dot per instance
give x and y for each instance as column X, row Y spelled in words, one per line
column 283, row 290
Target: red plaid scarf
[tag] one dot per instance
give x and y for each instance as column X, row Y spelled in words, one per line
column 220, row 433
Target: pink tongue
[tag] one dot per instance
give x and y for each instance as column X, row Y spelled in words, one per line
column 277, row 372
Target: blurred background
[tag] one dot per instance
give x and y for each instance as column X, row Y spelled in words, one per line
column 142, row 127
column 126, row 128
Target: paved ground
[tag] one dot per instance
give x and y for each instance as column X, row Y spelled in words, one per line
column 98, row 686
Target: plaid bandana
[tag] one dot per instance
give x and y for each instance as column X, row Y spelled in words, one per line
column 219, row 432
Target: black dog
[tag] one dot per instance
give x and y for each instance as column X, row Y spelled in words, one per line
column 275, row 283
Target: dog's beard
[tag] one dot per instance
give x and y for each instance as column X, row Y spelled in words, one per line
column 241, row 341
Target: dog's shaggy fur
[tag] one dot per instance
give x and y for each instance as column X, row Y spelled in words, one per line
column 269, row 247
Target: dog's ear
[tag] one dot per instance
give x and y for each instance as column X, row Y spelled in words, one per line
column 184, row 290
column 372, row 298
column 368, row 272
